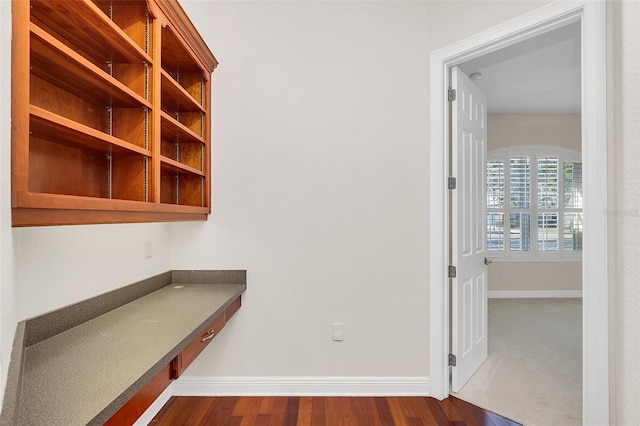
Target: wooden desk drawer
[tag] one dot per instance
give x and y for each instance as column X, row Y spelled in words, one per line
column 197, row 345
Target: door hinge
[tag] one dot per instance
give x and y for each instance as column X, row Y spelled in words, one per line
column 452, row 271
column 451, row 95
column 452, row 360
column 451, row 183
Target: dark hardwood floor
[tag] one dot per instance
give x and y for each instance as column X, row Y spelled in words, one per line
column 330, row 411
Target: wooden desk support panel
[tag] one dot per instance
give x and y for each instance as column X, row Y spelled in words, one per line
column 137, row 405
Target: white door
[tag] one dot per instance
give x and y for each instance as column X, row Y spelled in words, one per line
column 468, row 240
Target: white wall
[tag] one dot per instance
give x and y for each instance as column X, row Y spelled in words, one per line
column 60, row 265
column 320, row 171
column 537, row 276
column 624, row 134
column 452, row 21
column 8, row 312
column 561, row 130
column 319, row 186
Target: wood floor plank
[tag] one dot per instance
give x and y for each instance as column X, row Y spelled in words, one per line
column 219, row 413
column 372, row 411
column 291, row 413
column 439, row 415
column 279, row 411
column 234, row 421
column 318, row 412
column 415, row 421
column 474, row 416
column 267, row 405
column 363, row 412
column 344, row 411
column 246, row 405
column 357, row 414
column 304, row 411
column 331, row 410
column 396, row 410
column 450, row 410
column 407, row 408
column 262, row 420
column 422, row 410
column 247, row 409
column 384, row 412
column 415, row 408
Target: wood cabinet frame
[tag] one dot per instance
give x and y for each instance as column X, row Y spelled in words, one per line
column 66, row 168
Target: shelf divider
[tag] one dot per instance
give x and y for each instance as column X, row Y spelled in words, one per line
column 87, row 27
column 69, row 132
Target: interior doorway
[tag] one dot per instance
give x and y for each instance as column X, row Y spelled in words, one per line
column 525, row 99
column 591, row 19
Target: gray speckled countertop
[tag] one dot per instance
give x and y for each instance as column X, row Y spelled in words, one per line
column 85, row 374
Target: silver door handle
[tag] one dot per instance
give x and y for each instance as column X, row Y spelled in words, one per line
column 487, row 261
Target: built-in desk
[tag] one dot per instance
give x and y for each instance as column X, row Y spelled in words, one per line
column 85, row 373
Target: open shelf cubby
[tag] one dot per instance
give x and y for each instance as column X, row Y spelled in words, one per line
column 181, row 186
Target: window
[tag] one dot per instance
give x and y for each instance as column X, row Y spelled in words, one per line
column 534, row 203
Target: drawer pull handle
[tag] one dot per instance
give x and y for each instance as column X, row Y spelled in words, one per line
column 208, row 336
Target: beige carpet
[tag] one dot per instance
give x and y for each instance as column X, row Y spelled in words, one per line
column 533, row 374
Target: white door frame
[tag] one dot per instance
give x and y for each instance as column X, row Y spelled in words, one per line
column 595, row 321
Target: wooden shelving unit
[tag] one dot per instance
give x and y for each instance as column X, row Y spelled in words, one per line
column 110, row 113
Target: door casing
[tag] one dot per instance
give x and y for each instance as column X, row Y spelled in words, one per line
column 595, row 285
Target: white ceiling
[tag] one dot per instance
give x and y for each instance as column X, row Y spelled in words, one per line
column 539, row 75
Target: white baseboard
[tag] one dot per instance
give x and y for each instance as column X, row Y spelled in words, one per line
column 302, row 386
column 523, row 294
column 287, row 386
